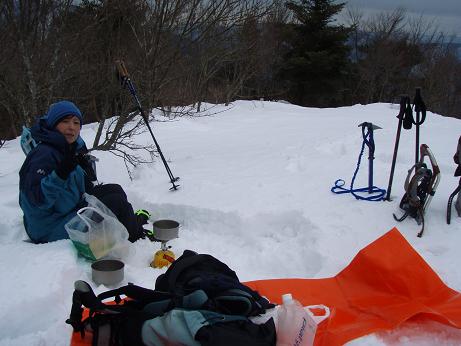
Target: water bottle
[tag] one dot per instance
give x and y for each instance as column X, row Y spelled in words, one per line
column 295, row 326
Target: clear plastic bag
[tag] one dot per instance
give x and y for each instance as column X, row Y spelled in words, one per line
column 96, row 232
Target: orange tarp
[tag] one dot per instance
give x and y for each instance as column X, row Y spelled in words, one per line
column 386, row 284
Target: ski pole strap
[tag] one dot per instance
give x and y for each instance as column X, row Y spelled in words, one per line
column 408, row 115
column 420, row 107
column 403, row 105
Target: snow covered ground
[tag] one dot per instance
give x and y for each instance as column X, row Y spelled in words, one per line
column 255, row 187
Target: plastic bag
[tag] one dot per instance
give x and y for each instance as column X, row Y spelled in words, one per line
column 96, row 232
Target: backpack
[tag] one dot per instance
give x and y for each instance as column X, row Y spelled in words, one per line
column 193, row 271
column 195, row 287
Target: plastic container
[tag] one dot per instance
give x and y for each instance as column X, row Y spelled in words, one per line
column 296, row 325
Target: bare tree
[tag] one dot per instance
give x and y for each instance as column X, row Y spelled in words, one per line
column 440, row 75
column 165, row 39
column 32, row 31
column 396, row 53
column 379, row 59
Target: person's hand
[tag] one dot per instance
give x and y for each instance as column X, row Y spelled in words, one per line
column 84, row 162
column 68, row 162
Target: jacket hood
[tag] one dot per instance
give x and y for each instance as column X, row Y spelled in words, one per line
column 42, row 134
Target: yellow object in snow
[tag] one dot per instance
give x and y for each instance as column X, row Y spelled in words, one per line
column 163, row 258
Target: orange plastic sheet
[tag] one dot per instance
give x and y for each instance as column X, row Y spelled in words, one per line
column 386, row 284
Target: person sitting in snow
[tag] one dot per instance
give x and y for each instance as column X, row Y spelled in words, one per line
column 57, row 172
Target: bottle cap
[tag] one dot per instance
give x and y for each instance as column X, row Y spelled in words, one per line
column 287, row 298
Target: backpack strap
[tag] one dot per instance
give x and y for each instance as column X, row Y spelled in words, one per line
column 193, row 301
column 134, row 292
column 235, row 302
column 27, row 141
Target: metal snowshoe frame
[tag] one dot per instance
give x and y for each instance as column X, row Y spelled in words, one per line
column 420, row 186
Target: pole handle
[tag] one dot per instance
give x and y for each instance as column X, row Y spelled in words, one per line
column 121, row 68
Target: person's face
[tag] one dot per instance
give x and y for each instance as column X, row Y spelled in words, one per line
column 69, row 127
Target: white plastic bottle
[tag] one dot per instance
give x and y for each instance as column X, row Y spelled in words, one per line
column 294, row 325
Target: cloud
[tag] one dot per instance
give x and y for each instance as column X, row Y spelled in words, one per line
column 446, row 14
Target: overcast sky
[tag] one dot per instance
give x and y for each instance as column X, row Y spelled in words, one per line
column 446, row 12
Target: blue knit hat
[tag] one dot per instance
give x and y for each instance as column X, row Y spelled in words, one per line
column 59, row 110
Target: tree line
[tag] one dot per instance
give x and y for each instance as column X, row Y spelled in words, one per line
column 185, row 52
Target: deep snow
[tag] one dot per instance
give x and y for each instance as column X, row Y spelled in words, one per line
column 255, row 193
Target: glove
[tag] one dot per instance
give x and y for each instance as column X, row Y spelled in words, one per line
column 68, row 162
column 84, row 162
column 142, row 216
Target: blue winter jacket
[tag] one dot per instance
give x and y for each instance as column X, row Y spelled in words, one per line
column 47, row 201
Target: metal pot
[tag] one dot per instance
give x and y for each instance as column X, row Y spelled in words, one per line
column 107, row 271
column 165, row 230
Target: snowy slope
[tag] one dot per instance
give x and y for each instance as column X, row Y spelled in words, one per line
column 255, row 186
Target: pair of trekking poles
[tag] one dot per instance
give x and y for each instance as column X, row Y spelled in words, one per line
column 406, row 121
column 415, row 199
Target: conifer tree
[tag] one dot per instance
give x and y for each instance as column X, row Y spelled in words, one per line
column 317, row 58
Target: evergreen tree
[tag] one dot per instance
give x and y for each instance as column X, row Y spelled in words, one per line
column 317, row 57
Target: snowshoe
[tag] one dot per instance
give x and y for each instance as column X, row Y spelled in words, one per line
column 420, row 185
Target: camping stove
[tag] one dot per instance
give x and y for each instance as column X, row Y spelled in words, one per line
column 164, row 230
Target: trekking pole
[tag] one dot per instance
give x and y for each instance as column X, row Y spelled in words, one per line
column 400, row 116
column 126, row 81
column 420, row 107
